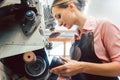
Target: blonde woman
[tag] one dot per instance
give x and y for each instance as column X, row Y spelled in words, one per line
column 99, row 44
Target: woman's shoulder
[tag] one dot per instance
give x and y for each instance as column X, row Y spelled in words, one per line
column 104, row 21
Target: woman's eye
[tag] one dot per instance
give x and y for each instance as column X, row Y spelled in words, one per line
column 59, row 16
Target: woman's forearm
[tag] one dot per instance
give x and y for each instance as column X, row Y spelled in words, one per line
column 104, row 69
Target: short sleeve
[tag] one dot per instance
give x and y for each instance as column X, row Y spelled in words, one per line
column 111, row 40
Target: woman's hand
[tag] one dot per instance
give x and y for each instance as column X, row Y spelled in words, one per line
column 63, row 78
column 70, row 68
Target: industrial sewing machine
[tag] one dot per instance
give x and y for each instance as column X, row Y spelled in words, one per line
column 22, row 41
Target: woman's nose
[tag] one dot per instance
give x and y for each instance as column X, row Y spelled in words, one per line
column 60, row 23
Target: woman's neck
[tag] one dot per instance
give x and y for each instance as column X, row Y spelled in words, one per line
column 81, row 19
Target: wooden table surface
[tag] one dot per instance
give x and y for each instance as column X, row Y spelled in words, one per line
column 62, row 39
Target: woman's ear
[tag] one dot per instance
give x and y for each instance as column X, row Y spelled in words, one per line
column 71, row 5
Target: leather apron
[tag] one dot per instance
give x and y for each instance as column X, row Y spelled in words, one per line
column 87, row 54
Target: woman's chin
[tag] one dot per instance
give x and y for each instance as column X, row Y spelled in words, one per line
column 69, row 27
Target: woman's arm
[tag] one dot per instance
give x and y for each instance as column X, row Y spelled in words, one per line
column 103, row 69
column 74, row 67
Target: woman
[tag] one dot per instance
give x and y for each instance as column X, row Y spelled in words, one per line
column 99, row 44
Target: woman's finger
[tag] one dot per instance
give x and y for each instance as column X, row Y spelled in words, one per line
column 65, row 59
column 58, row 70
column 62, row 78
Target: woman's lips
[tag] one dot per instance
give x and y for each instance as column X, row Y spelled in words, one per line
column 64, row 25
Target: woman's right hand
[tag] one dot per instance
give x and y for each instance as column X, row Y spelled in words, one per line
column 70, row 68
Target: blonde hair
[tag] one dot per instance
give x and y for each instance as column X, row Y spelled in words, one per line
column 63, row 3
column 60, row 2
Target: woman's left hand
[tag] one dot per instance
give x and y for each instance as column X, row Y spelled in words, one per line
column 63, row 78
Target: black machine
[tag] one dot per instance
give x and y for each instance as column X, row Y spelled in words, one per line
column 20, row 41
column 35, row 70
column 22, row 50
column 26, row 13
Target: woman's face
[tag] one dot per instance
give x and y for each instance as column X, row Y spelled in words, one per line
column 64, row 16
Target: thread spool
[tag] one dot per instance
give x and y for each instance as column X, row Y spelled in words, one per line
column 29, row 57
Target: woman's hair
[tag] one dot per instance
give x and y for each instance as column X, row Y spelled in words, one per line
column 63, row 3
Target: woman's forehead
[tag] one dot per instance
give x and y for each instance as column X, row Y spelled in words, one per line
column 55, row 10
